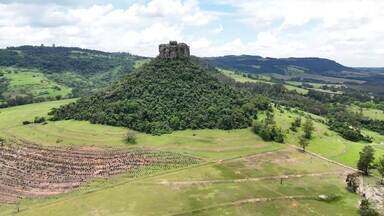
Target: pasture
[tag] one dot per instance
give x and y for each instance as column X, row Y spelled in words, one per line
column 22, row 81
column 239, row 173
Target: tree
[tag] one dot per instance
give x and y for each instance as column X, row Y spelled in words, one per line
column 366, row 159
column 380, row 168
column 353, row 182
column 303, row 142
column 366, row 208
column 269, row 119
column 308, row 128
column 295, row 124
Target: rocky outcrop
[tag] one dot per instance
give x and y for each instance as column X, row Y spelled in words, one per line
column 174, row 50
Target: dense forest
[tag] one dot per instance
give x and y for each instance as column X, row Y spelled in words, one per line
column 167, row 95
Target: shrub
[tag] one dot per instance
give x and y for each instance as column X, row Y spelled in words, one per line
column 39, row 120
column 329, row 198
column 26, row 122
column 366, row 208
column 353, row 182
column 130, row 137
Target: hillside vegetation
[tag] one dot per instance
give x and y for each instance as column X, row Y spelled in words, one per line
column 27, row 85
column 258, row 64
column 75, row 71
column 310, row 70
column 167, row 95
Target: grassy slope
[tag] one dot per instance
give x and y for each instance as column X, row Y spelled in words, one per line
column 205, row 142
column 117, row 196
column 329, row 143
column 371, row 113
column 32, row 81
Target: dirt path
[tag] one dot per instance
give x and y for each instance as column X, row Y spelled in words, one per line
column 223, row 181
column 324, row 158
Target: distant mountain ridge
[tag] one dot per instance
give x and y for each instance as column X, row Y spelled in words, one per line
column 58, row 59
column 257, row 64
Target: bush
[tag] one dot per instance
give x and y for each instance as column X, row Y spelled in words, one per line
column 39, row 120
column 366, row 208
column 26, row 122
column 130, row 137
column 329, row 198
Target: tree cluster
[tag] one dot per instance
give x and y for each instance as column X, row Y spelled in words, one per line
column 268, row 130
column 347, row 124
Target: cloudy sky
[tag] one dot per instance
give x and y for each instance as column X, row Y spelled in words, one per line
column 348, row 31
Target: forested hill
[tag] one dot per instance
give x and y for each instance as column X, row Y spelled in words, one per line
column 258, row 64
column 59, row 59
column 166, row 95
column 26, row 70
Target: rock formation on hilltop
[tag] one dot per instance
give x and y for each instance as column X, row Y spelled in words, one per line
column 174, row 50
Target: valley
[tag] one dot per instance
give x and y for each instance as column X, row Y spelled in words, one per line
column 239, row 173
column 175, row 135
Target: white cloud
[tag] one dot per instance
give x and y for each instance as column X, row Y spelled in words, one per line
column 139, row 28
column 349, row 31
column 345, row 30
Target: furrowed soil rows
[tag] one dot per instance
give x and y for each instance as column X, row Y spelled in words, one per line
column 28, row 170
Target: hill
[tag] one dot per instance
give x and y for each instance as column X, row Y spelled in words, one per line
column 164, row 95
column 307, row 71
column 258, row 64
column 80, row 70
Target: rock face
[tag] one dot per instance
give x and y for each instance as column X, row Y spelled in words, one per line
column 174, row 50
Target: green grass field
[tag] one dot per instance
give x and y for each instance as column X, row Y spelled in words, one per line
column 239, row 175
column 242, row 79
column 22, row 81
column 369, row 112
